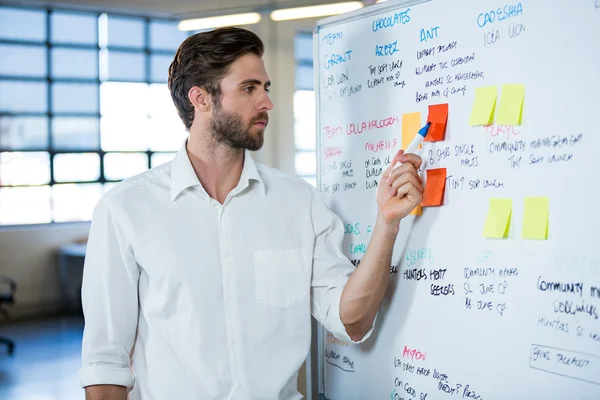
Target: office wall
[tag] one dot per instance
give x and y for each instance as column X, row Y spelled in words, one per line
column 28, row 255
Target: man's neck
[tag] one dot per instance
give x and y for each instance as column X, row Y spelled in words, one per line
column 217, row 166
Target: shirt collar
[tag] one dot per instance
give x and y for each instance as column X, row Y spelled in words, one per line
column 183, row 175
column 250, row 173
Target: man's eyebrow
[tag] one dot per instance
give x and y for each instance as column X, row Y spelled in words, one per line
column 255, row 82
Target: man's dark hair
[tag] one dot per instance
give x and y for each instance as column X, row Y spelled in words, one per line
column 203, row 60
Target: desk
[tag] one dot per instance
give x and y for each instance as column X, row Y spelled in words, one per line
column 65, row 253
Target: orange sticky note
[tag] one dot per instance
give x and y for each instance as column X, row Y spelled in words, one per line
column 438, row 116
column 434, row 187
column 418, row 210
column 411, row 123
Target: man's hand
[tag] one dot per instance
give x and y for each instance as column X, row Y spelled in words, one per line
column 400, row 190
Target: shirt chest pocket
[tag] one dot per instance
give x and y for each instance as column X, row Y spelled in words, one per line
column 281, row 277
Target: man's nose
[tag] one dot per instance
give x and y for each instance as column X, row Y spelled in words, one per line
column 265, row 102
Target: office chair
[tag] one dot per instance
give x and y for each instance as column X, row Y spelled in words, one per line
column 7, row 297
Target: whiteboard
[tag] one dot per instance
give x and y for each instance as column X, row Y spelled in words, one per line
column 467, row 316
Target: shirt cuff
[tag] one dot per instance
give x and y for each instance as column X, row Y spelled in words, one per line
column 106, row 375
column 338, row 328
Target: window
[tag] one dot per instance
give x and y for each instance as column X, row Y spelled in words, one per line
column 304, row 110
column 70, row 130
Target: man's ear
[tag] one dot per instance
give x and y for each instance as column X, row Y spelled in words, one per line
column 199, row 98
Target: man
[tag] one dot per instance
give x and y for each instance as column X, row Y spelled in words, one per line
column 201, row 274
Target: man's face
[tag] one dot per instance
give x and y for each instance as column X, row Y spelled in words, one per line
column 240, row 117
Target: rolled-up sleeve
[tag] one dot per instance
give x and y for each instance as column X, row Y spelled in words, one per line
column 110, row 302
column 331, row 270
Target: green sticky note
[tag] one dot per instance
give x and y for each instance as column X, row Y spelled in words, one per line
column 482, row 112
column 498, row 219
column 535, row 218
column 510, row 109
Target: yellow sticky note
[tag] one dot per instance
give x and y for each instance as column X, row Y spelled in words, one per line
column 482, row 112
column 535, row 218
column 418, row 210
column 510, row 109
column 411, row 123
column 498, row 219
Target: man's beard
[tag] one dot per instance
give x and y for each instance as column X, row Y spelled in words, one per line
column 229, row 129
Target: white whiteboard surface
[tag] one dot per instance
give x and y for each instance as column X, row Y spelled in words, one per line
column 524, row 342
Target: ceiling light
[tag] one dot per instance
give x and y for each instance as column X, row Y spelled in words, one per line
column 315, row 11
column 216, row 22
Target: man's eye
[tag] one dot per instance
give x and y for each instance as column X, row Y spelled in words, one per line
column 267, row 90
column 249, row 89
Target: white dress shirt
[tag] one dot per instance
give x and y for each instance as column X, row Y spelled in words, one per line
column 185, row 298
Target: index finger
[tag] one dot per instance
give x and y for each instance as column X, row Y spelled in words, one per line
column 412, row 158
column 396, row 157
